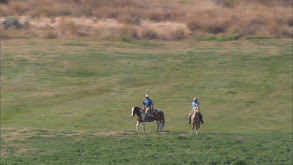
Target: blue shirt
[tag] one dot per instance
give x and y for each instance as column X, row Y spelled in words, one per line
column 195, row 104
column 148, row 103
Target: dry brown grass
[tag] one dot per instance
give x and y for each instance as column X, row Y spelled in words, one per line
column 248, row 20
column 49, row 34
column 4, row 11
column 148, row 33
column 67, row 26
column 17, row 8
column 153, row 19
column 128, row 31
column 4, row 35
column 209, row 21
column 53, row 9
column 163, row 30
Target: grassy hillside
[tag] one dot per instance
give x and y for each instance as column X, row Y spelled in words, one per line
column 243, row 86
column 148, row 19
column 60, row 93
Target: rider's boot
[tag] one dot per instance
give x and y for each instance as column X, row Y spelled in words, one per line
column 148, row 118
column 189, row 120
column 151, row 117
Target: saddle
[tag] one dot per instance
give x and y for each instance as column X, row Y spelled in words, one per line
column 150, row 118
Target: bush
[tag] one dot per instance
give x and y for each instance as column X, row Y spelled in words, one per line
column 128, row 19
column 11, row 22
column 67, row 27
column 149, row 33
column 128, row 32
column 49, row 34
column 178, row 34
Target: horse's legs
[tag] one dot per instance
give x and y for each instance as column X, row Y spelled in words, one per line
column 143, row 125
column 161, row 123
column 137, row 124
column 192, row 131
column 197, row 130
column 197, row 127
column 158, row 125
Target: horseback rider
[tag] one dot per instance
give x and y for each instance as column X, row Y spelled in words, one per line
column 148, row 106
column 194, row 104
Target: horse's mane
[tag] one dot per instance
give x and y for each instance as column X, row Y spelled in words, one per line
column 196, row 109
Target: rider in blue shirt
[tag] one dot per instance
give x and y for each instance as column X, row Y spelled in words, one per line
column 194, row 104
column 148, row 105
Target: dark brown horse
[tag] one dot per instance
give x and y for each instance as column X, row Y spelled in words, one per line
column 141, row 117
column 195, row 121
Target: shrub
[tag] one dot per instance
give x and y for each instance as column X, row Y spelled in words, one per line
column 155, row 15
column 178, row 34
column 128, row 32
column 129, row 19
column 149, row 33
column 193, row 24
column 67, row 26
column 50, row 34
column 11, row 22
column 210, row 21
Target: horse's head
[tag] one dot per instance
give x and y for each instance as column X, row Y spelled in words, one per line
column 196, row 109
column 134, row 110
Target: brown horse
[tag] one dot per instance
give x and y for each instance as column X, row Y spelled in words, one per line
column 195, row 121
column 141, row 117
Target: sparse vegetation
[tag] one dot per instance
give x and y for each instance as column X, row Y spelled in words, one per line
column 245, row 18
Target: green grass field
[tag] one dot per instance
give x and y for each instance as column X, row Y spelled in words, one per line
column 69, row 101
